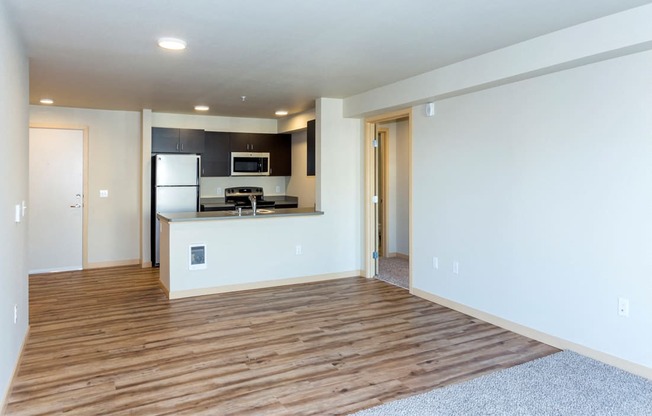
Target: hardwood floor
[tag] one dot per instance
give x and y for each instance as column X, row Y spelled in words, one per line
column 108, row 341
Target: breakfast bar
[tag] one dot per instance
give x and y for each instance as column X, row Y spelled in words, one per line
column 221, row 251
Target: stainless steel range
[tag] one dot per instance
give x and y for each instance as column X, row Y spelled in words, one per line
column 247, row 197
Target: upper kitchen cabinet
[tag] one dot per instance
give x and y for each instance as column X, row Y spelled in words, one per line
column 279, row 146
column 169, row 140
column 281, row 155
column 216, row 158
column 311, row 148
column 250, row 142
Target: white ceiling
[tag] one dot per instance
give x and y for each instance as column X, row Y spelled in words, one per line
column 280, row 54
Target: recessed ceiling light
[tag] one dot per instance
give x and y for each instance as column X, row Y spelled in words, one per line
column 281, row 113
column 202, row 108
column 47, row 101
column 172, row 44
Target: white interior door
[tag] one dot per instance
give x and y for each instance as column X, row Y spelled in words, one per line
column 56, row 161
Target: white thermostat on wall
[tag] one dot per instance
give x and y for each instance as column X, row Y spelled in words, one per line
column 197, row 257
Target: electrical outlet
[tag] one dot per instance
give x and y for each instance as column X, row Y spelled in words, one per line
column 219, row 191
column 15, row 314
column 456, row 267
column 298, row 250
column 623, row 307
column 435, row 263
column 278, row 189
column 104, row 193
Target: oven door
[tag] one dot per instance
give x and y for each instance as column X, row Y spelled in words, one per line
column 249, row 164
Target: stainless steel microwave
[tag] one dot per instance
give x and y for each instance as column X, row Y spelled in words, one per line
column 249, row 164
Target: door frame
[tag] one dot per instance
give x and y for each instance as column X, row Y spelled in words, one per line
column 384, row 163
column 370, row 228
column 84, row 130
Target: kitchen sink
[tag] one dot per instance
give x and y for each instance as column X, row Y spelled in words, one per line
column 248, row 212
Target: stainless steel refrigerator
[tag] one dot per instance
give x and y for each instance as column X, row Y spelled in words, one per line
column 175, row 188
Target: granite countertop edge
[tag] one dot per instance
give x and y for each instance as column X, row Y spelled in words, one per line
column 232, row 215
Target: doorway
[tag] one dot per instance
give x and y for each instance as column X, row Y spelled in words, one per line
column 388, row 191
column 56, row 208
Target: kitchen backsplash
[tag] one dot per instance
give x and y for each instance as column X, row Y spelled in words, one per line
column 214, row 186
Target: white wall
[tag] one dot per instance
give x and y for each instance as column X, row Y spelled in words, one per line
column 535, row 175
column 295, row 122
column 542, row 191
column 300, row 184
column 114, row 158
column 14, row 92
column 214, row 186
column 215, row 123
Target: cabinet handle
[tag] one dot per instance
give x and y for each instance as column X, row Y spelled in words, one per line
column 182, row 147
column 177, row 147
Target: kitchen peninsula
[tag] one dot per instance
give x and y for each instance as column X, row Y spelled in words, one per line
column 221, row 251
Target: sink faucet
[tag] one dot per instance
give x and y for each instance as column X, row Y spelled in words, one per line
column 252, row 198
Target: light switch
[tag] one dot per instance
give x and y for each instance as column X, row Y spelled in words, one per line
column 18, row 212
column 104, row 193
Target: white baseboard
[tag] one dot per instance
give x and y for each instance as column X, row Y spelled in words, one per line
column 103, row 264
column 399, row 255
column 178, row 294
column 556, row 342
column 5, row 401
column 146, row 264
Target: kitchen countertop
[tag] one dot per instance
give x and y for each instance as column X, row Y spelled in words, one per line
column 230, row 215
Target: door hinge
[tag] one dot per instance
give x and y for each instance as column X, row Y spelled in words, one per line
column 374, row 143
column 374, row 199
column 375, row 255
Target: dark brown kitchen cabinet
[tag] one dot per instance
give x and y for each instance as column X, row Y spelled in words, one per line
column 216, row 159
column 250, row 142
column 281, row 155
column 279, row 147
column 170, row 140
column 311, row 148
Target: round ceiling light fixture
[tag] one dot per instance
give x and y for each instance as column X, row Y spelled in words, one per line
column 281, row 113
column 202, row 108
column 172, row 44
column 46, row 101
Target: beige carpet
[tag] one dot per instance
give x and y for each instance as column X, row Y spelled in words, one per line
column 394, row 270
